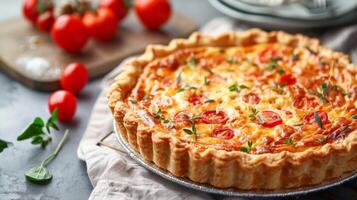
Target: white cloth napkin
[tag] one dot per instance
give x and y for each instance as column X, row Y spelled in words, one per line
column 114, row 175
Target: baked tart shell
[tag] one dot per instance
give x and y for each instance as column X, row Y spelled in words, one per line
column 222, row 168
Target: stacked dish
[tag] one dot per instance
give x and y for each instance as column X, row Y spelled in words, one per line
column 290, row 14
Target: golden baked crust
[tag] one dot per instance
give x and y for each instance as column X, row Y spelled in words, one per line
column 255, row 163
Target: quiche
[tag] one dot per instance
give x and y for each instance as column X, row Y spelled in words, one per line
column 247, row 110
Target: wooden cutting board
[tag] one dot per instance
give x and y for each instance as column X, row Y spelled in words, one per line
column 23, row 47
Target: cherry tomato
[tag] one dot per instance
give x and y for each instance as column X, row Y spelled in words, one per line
column 66, row 104
column 45, row 21
column 119, row 7
column 195, row 99
column 74, row 78
column 302, row 101
column 153, row 13
column 102, row 25
column 310, row 119
column 29, row 10
column 69, row 33
column 287, row 79
column 267, row 54
column 269, row 119
column 223, row 133
column 251, row 98
column 181, row 116
column 214, row 117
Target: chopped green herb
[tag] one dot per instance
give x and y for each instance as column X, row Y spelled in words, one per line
column 133, row 101
column 193, row 126
column 205, row 81
column 180, row 90
column 233, row 59
column 280, row 71
column 294, row 57
column 209, row 100
column 261, row 120
column 243, row 87
column 354, row 117
column 254, row 113
column 208, row 70
column 318, row 119
column 272, row 64
column 192, row 62
column 248, row 148
column 234, row 88
column 289, row 141
column 179, row 78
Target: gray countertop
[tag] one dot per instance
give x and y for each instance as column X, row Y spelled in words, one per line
column 19, row 105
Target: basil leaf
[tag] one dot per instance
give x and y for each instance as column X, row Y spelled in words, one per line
column 39, row 175
column 318, row 119
column 354, row 117
column 3, row 145
column 35, row 128
column 41, row 139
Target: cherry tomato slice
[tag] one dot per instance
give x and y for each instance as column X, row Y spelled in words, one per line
column 310, row 119
column 251, row 98
column 195, row 99
column 66, row 104
column 223, row 133
column 267, row 54
column 302, row 101
column 181, row 116
column 287, row 79
column 214, row 117
column 269, row 119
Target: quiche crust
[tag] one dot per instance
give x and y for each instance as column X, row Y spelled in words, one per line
column 222, row 168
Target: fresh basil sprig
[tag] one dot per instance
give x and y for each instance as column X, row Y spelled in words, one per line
column 36, row 132
column 40, row 174
column 3, row 145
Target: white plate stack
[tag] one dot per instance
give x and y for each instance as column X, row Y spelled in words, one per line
column 290, row 14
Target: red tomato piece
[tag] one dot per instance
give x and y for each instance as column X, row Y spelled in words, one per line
column 195, row 99
column 251, row 98
column 214, row 117
column 102, row 25
column 223, row 133
column 29, row 10
column 153, row 13
column 66, row 104
column 268, row 54
column 310, row 119
column 181, row 116
column 287, row 79
column 45, row 21
column 119, row 7
column 269, row 119
column 69, row 33
column 74, row 78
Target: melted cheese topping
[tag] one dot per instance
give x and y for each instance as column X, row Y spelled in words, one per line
column 257, row 99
